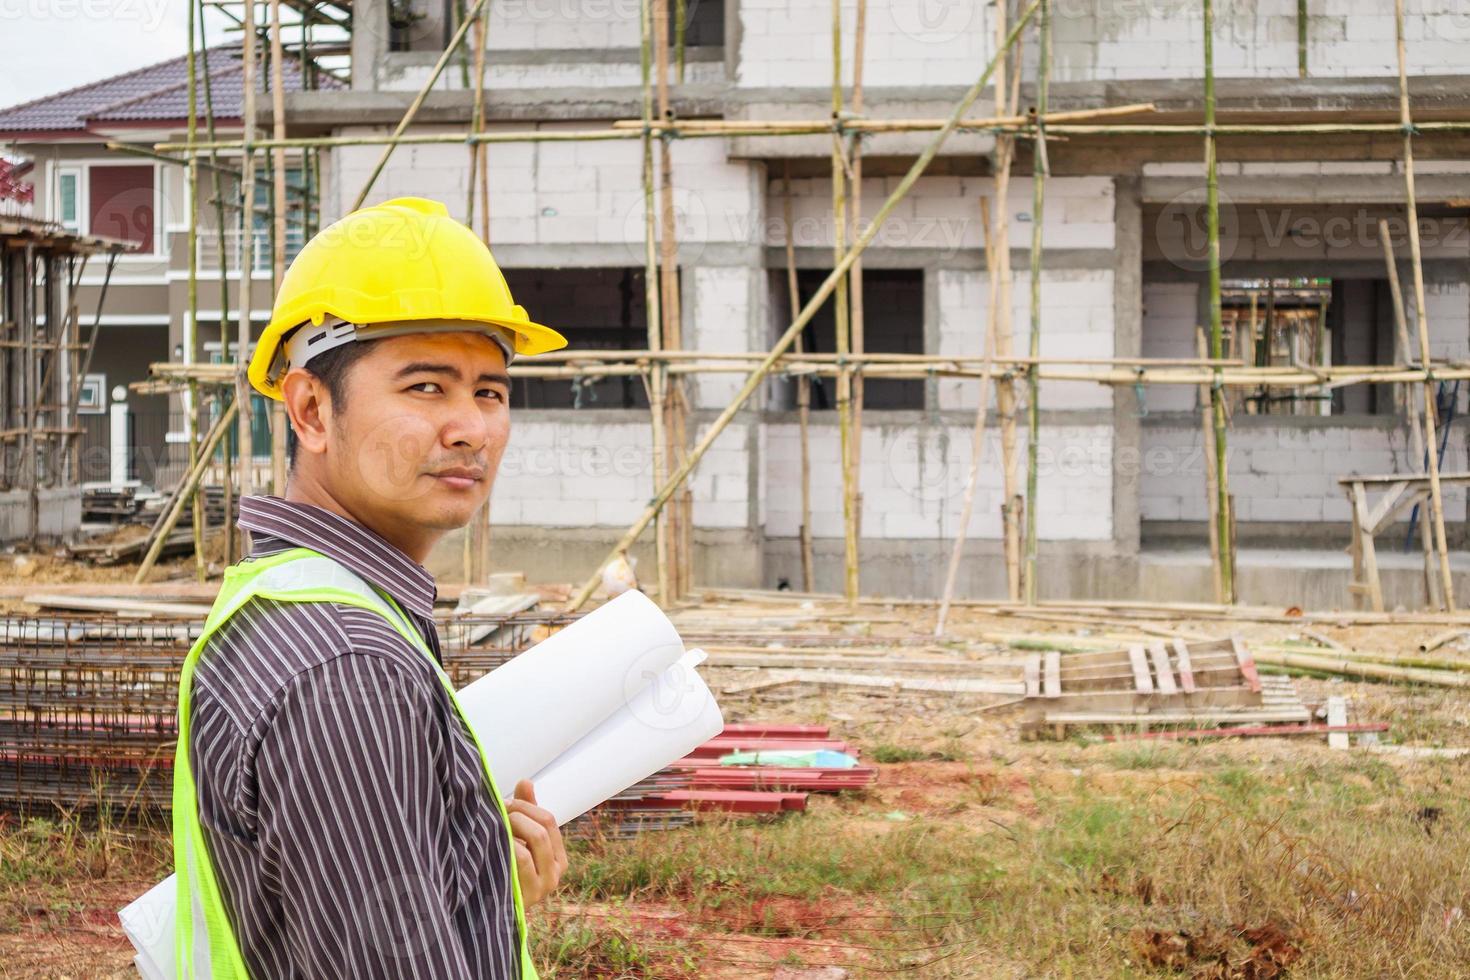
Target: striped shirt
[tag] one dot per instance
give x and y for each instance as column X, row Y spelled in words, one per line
column 342, row 800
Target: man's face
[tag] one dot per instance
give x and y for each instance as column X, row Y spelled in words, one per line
column 426, row 421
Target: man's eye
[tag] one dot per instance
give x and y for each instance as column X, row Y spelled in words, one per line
column 495, row 393
column 430, row 387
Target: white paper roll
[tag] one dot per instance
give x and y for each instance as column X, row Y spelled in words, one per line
column 665, row 722
column 534, row 708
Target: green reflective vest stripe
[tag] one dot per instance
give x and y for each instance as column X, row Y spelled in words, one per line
column 205, row 944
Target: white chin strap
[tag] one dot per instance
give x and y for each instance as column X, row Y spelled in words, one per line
column 310, row 340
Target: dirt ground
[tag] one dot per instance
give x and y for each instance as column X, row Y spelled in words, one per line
column 976, row 853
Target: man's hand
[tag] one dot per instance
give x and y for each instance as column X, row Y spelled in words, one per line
column 540, row 855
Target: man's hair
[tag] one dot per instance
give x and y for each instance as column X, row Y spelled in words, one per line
column 331, row 369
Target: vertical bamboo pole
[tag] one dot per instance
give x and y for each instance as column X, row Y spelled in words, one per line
column 657, row 370
column 1217, row 390
column 977, row 436
column 1033, row 379
column 840, row 300
column 191, row 325
column 1431, row 443
column 803, row 393
column 680, row 536
column 278, row 225
column 478, row 534
column 1301, row 38
column 1006, row 103
column 855, row 278
column 1212, row 479
column 246, row 442
column 227, row 478
column 1408, row 400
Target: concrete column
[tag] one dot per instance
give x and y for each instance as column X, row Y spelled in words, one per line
column 118, row 424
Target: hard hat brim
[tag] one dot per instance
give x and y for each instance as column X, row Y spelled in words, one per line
column 530, row 339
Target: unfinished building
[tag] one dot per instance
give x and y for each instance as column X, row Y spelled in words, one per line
column 749, row 216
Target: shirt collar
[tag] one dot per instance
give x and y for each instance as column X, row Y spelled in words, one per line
column 344, row 540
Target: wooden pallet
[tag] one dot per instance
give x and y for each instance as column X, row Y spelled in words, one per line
column 1168, row 682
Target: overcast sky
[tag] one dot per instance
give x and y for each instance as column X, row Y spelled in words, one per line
column 50, row 45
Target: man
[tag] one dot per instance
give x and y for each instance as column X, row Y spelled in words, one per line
column 334, row 817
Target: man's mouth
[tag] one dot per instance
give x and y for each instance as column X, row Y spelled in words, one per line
column 460, row 477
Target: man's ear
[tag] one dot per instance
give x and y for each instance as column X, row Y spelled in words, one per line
column 309, row 407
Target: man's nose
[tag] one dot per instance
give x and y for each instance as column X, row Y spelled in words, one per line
column 466, row 427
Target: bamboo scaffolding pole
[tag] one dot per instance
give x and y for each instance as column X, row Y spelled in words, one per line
column 811, row 365
column 1431, row 443
column 278, row 231
column 1033, row 382
column 803, row 391
column 215, row 171
column 191, row 328
column 753, row 381
column 184, row 492
column 1408, row 400
column 633, row 131
column 842, row 321
column 855, row 277
column 477, row 536
column 1212, row 479
column 414, row 106
column 977, row 439
column 245, row 440
column 676, row 406
column 1223, row 517
column 657, row 375
column 1007, row 98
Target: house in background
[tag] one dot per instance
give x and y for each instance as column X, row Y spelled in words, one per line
column 62, row 145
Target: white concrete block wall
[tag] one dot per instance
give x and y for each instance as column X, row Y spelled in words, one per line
column 907, row 43
column 1277, row 474
column 944, row 213
column 1105, row 40
column 560, row 193
column 913, row 482
column 1076, row 321
column 719, row 319
column 1170, row 315
column 721, row 483
column 585, row 475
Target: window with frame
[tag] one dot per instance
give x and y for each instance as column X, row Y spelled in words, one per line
column 120, row 202
column 594, row 308
column 893, row 310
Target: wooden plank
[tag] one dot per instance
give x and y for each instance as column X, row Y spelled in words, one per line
column 1031, row 672
column 1053, row 674
column 1247, row 665
column 1184, row 666
column 1146, row 718
column 936, row 685
column 1163, row 673
column 1337, row 718
column 123, row 607
column 1142, row 682
column 1385, row 506
column 1367, row 547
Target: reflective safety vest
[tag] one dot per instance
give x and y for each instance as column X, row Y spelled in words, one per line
column 205, row 944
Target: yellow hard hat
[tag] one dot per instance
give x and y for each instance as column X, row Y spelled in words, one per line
column 380, row 270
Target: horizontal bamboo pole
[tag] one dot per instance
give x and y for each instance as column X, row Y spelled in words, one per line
column 813, row 365
column 727, row 127
column 801, row 129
